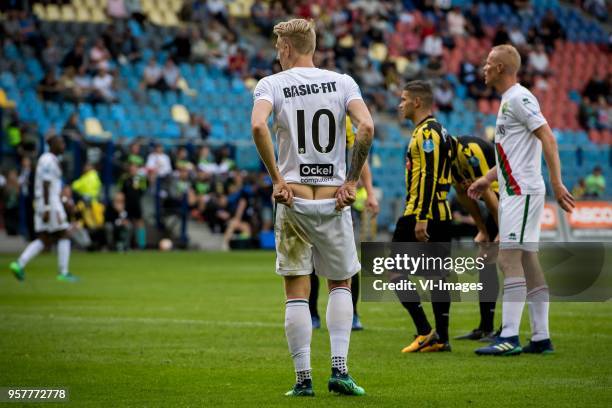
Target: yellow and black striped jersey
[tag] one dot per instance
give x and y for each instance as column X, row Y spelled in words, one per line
column 472, row 158
column 428, row 171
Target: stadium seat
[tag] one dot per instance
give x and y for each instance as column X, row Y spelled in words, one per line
column 180, row 114
column 93, row 128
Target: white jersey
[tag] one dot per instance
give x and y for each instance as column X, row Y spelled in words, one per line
column 519, row 151
column 310, row 107
column 48, row 169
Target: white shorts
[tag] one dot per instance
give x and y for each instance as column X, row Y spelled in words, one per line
column 519, row 221
column 57, row 221
column 311, row 234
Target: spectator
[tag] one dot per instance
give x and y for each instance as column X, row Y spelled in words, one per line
column 478, row 89
column 170, row 75
column 501, row 35
column 604, row 114
column 443, row 96
column 204, row 158
column 99, row 55
column 260, row 15
column 51, row 55
column 76, row 56
column 516, row 36
column 456, row 22
column 10, row 197
column 103, row 87
column 199, row 47
column 152, row 76
column 117, row 225
column 134, row 156
column 260, row 66
column 579, row 189
column 180, row 46
column 595, row 184
column 71, row 129
column 116, row 9
column 68, row 85
column 83, row 84
column 133, row 185
column 158, row 162
column 197, row 128
column 596, row 87
column 413, row 67
column 129, row 50
column 432, row 46
column 468, row 71
column 587, row 114
column 435, row 68
column 49, row 87
column 538, row 59
column 218, row 10
column 474, row 22
column 237, row 63
column 89, row 185
column 551, row 30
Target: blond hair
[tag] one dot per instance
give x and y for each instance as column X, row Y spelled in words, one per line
column 300, row 33
column 509, row 57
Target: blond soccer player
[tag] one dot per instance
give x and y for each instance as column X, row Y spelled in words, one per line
column 313, row 192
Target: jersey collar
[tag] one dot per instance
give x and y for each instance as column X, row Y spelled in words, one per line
column 429, row 117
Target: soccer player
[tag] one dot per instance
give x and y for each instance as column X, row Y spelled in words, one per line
column 50, row 221
column 521, row 133
column 372, row 206
column 473, row 157
column 313, row 192
column 427, row 215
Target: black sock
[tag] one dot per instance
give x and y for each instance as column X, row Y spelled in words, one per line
column 487, row 316
column 355, row 291
column 440, row 302
column 488, row 297
column 411, row 301
column 314, row 295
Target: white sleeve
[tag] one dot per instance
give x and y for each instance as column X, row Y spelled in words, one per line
column 351, row 90
column 264, row 91
column 527, row 111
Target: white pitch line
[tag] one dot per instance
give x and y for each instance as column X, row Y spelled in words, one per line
column 224, row 323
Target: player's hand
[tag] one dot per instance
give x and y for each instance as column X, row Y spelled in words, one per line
column 564, row 198
column 496, row 240
column 282, row 193
column 345, row 195
column 45, row 216
column 372, row 205
column 482, row 236
column 420, row 231
column 478, row 187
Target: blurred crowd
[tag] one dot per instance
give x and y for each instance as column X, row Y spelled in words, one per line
column 596, row 105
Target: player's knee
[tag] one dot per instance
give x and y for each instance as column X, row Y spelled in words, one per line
column 346, row 283
column 510, row 263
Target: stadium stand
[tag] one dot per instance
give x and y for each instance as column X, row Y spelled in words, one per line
column 212, row 41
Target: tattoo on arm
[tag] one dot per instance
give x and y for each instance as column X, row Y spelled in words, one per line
column 360, row 155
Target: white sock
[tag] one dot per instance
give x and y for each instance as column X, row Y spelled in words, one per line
column 63, row 255
column 298, row 328
column 339, row 320
column 515, row 292
column 34, row 248
column 538, row 303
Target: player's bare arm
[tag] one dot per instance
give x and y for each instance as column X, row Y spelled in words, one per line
column 263, row 141
column 361, row 117
column 366, row 180
column 472, row 208
column 478, row 187
column 551, row 155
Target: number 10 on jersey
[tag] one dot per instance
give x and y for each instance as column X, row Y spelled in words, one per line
column 301, row 122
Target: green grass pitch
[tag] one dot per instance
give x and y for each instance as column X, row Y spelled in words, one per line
column 206, row 329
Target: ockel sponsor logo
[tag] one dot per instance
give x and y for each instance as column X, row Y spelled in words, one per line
column 316, row 170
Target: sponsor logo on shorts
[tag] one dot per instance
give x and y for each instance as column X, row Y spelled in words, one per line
column 512, row 236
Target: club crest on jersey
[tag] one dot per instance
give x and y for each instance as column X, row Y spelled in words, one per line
column 504, row 108
column 428, row 146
